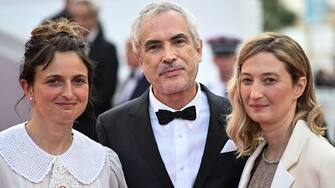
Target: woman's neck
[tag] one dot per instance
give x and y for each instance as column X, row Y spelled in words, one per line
column 277, row 136
column 54, row 139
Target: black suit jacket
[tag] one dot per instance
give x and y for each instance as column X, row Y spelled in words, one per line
column 103, row 54
column 127, row 130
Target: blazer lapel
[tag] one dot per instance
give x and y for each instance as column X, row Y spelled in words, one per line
column 298, row 139
column 246, row 175
column 216, row 137
column 282, row 178
column 139, row 124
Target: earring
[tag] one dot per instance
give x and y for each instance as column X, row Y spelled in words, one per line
column 30, row 96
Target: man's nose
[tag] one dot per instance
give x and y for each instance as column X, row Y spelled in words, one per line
column 169, row 55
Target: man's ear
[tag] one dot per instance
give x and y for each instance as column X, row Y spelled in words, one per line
column 300, row 86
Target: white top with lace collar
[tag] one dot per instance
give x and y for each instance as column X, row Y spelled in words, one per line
column 81, row 164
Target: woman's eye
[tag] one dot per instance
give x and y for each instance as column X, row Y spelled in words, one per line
column 246, row 81
column 270, row 81
column 53, row 82
column 79, row 81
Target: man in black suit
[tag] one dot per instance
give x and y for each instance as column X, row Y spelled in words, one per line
column 174, row 134
column 103, row 53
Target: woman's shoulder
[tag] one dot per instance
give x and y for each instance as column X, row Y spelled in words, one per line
column 315, row 147
column 13, row 129
column 11, row 137
column 321, row 147
column 114, row 169
column 113, row 159
column 110, row 165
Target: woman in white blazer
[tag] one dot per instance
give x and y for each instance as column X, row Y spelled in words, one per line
column 276, row 119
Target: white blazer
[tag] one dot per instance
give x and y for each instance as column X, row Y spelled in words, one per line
column 308, row 162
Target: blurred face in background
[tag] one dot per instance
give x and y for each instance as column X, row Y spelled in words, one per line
column 83, row 13
column 59, row 93
column 132, row 59
column 225, row 64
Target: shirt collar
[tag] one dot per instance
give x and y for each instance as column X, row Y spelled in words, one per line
column 155, row 104
column 17, row 146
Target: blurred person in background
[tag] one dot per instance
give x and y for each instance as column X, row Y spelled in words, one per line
column 275, row 117
column 224, row 56
column 56, row 77
column 136, row 83
column 173, row 135
column 103, row 53
column 64, row 13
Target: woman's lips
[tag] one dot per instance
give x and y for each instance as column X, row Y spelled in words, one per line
column 258, row 107
column 66, row 105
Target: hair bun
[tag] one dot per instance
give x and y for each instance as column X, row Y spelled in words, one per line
column 49, row 29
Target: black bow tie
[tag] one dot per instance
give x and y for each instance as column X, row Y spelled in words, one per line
column 165, row 116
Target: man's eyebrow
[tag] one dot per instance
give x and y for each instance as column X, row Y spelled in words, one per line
column 151, row 41
column 180, row 35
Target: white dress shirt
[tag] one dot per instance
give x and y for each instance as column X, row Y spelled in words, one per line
column 181, row 143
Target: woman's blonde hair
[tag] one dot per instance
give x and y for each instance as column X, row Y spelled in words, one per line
column 245, row 132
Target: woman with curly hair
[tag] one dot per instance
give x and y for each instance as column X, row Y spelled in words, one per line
column 56, row 77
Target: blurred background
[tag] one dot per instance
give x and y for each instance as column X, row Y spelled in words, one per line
column 310, row 22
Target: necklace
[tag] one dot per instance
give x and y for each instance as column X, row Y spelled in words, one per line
column 268, row 161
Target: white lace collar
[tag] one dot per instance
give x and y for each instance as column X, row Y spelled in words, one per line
column 84, row 159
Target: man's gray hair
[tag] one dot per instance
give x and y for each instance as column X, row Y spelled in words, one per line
column 156, row 8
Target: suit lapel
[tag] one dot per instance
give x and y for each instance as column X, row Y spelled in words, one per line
column 140, row 126
column 216, row 137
